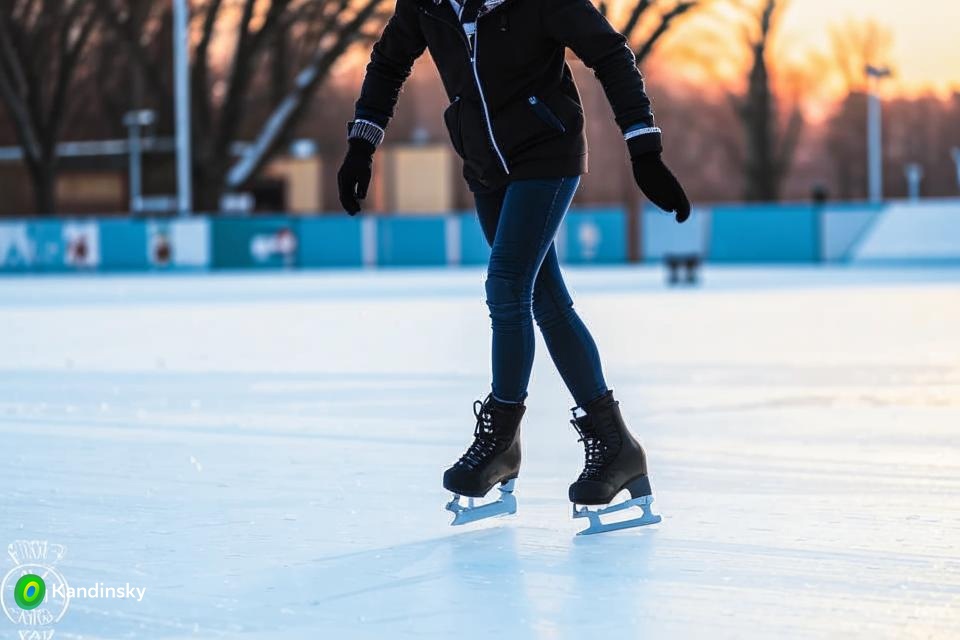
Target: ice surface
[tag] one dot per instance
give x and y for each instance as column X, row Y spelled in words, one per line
column 263, row 453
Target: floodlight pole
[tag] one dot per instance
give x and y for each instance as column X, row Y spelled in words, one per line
column 874, row 133
column 181, row 73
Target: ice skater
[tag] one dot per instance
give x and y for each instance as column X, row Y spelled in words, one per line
column 516, row 120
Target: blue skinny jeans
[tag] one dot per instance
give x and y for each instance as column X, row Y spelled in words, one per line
column 524, row 284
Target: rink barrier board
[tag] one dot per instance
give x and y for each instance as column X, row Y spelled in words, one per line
column 330, row 241
column 124, row 245
column 260, row 242
column 927, row 232
column 49, row 245
column 411, row 242
column 907, row 232
column 594, row 236
column 844, row 227
column 783, row 233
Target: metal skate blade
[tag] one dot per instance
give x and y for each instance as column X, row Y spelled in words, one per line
column 506, row 505
column 598, row 526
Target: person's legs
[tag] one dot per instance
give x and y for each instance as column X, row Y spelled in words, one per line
column 529, row 215
column 571, row 346
column 489, row 204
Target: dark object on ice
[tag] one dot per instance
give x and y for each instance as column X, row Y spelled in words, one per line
column 493, row 458
column 614, row 461
column 688, row 264
column 819, row 195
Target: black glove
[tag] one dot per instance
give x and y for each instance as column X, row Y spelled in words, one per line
column 660, row 185
column 353, row 179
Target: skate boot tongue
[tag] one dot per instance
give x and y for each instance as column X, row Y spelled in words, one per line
column 600, row 434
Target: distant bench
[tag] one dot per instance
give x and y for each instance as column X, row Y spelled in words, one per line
column 682, row 268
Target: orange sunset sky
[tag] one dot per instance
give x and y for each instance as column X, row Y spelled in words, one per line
column 926, row 35
column 925, row 52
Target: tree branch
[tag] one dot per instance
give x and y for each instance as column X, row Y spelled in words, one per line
column 131, row 38
column 285, row 116
column 68, row 62
column 12, row 89
column 248, row 48
column 665, row 23
column 200, row 91
column 634, row 19
column 789, row 142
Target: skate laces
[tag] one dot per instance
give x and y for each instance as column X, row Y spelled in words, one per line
column 593, row 447
column 484, row 443
column 601, row 443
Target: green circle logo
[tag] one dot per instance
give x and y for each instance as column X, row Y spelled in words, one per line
column 29, row 591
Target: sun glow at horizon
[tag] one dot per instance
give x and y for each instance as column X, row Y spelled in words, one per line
column 924, row 52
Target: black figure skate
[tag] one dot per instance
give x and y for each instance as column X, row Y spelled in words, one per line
column 614, row 461
column 494, row 457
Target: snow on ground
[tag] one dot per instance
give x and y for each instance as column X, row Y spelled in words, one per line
column 263, row 453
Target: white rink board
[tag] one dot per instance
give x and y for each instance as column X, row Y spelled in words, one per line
column 928, row 230
column 263, row 453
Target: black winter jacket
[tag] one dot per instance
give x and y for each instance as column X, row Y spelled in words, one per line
column 515, row 111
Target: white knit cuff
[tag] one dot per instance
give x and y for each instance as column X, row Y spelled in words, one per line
column 366, row 130
column 640, row 132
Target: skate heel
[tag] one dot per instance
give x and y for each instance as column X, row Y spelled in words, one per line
column 639, row 487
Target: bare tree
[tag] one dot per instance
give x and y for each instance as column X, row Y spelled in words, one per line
column 644, row 38
column 241, row 79
column 41, row 45
column 769, row 143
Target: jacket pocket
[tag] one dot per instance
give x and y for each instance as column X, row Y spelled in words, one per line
column 520, row 127
column 453, row 119
column 544, row 112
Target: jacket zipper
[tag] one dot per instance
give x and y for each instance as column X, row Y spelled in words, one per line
column 472, row 52
column 483, row 100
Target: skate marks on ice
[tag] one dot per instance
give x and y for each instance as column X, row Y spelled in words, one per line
column 526, row 582
column 508, row 582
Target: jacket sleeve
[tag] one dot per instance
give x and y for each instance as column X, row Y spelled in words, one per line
column 577, row 24
column 391, row 61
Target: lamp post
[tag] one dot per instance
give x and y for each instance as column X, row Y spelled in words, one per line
column 874, row 132
column 135, row 121
column 181, row 74
column 914, row 173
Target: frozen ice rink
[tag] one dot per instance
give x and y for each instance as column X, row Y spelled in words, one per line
column 263, row 454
